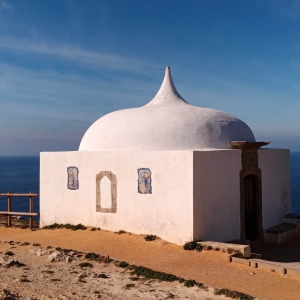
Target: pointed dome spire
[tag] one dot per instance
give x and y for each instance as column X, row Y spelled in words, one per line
column 167, row 94
column 167, row 122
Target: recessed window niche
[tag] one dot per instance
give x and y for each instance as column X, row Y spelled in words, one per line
column 106, row 192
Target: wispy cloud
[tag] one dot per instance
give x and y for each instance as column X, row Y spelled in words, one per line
column 291, row 9
column 50, row 94
column 74, row 53
column 4, row 5
column 287, row 9
column 55, row 109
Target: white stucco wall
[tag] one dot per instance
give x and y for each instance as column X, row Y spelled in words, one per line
column 167, row 212
column 195, row 194
column 217, row 195
column 276, row 186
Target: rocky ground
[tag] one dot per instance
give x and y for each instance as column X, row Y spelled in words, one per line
column 18, row 222
column 30, row 274
column 30, row 271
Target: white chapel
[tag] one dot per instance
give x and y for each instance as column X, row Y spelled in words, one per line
column 170, row 169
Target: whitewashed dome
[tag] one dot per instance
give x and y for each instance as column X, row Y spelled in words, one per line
column 166, row 122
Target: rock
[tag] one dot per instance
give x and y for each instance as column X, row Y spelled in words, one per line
column 7, row 262
column 17, row 218
column 8, row 295
column 3, row 260
column 12, row 262
column 40, row 252
column 57, row 256
column 68, row 258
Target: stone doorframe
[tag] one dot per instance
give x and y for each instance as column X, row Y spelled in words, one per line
column 249, row 158
column 113, row 179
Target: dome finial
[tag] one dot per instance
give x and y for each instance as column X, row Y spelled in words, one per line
column 167, row 94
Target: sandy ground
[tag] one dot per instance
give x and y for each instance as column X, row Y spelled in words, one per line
column 208, row 267
column 39, row 278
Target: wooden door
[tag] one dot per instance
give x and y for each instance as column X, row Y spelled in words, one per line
column 250, row 207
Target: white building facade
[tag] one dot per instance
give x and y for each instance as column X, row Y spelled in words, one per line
column 170, row 169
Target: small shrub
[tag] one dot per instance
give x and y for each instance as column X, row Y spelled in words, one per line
column 217, row 249
column 52, row 226
column 108, row 260
column 209, row 248
column 66, row 250
column 93, row 229
column 230, row 250
column 189, row 283
column 120, row 232
column 150, row 274
column 150, row 237
column 36, row 244
column 79, row 227
column 9, row 253
column 238, row 253
column 92, row 256
column 66, row 226
column 199, row 247
column 190, row 245
column 201, row 286
column 234, row 294
column 123, row 264
column 25, row 244
column 86, row 265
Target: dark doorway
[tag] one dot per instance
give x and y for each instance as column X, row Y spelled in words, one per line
column 250, row 207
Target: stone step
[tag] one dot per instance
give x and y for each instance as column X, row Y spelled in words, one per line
column 281, row 233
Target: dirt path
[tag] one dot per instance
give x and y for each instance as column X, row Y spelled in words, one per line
column 208, row 267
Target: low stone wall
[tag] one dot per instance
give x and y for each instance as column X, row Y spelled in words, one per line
column 243, row 250
column 265, row 265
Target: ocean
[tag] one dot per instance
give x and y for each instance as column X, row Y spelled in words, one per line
column 21, row 175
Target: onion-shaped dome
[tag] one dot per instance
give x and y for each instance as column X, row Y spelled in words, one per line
column 167, row 122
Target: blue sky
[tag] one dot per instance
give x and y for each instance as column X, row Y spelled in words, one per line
column 64, row 64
